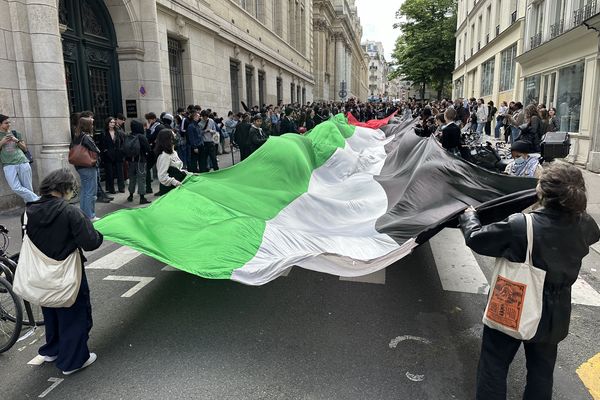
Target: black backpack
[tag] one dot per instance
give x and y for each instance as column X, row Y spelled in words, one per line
column 131, row 146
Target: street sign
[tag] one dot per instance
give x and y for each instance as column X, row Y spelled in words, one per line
column 343, row 93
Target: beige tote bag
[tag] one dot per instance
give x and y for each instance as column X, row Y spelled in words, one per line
column 42, row 280
column 515, row 302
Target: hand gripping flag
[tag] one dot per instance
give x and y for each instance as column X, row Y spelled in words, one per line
column 342, row 199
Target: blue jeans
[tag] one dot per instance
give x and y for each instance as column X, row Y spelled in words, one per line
column 497, row 129
column 18, row 177
column 87, row 193
column 514, row 133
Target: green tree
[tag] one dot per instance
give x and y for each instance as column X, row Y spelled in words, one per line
column 424, row 52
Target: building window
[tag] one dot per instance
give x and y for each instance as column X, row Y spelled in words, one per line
column 487, row 77
column 250, row 85
column 261, row 88
column 459, row 87
column 532, row 90
column 259, row 10
column 176, row 73
column 292, row 93
column 277, row 19
column 568, row 99
column 279, row 91
column 234, row 71
column 507, row 68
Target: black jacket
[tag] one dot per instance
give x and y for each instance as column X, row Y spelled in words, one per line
column 257, row 138
column 451, row 136
column 242, row 134
column 111, row 150
column 560, row 241
column 145, row 150
column 287, row 126
column 58, row 228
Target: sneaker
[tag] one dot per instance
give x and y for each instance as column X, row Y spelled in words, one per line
column 121, row 190
column 144, row 200
column 157, row 194
column 104, row 200
column 94, row 219
column 50, row 358
column 89, row 362
column 130, row 198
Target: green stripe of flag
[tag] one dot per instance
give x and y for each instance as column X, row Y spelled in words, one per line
column 214, row 223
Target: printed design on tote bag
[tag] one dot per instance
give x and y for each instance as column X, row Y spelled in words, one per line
column 506, row 302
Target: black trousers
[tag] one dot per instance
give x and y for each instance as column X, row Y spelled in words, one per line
column 67, row 331
column 194, row 160
column 209, row 150
column 498, row 351
column 114, row 169
column 245, row 152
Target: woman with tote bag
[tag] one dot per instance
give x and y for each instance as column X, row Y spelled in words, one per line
column 562, row 234
column 61, row 231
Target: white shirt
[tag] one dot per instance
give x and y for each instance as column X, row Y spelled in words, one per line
column 163, row 162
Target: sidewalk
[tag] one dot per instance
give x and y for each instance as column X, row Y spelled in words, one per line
column 11, row 218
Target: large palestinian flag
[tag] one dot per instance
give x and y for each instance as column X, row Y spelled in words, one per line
column 341, row 199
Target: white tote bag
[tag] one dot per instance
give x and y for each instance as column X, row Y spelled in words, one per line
column 515, row 302
column 42, row 280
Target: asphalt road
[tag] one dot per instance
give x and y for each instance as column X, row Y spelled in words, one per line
column 304, row 336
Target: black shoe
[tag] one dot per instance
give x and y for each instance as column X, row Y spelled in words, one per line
column 144, row 200
column 121, row 190
column 157, row 194
column 111, row 192
column 148, row 189
column 130, row 197
column 104, row 200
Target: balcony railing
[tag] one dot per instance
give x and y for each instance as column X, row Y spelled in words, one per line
column 557, row 29
column 487, row 38
column 513, row 17
column 535, row 40
column 584, row 12
column 497, row 30
column 478, row 46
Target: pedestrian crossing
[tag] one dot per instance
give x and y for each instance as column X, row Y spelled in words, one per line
column 458, row 269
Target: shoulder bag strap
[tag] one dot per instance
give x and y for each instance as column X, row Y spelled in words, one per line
column 529, row 222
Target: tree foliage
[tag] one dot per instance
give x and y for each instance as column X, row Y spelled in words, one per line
column 424, row 52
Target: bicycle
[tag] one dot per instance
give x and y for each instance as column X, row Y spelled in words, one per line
column 11, row 316
column 8, row 266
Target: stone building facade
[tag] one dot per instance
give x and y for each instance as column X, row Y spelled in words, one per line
column 340, row 64
column 378, row 69
column 535, row 51
column 135, row 56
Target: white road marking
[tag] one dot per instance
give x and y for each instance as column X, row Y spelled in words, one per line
column 143, row 281
column 37, row 360
column 57, row 381
column 415, row 378
column 168, row 268
column 458, row 269
column 583, row 293
column 394, row 342
column 377, row 277
column 115, row 260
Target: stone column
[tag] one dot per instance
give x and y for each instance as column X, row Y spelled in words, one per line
column 151, row 76
column 340, row 63
column 349, row 75
column 42, row 90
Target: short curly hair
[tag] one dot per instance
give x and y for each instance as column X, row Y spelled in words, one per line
column 562, row 187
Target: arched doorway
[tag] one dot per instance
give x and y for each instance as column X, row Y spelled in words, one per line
column 91, row 65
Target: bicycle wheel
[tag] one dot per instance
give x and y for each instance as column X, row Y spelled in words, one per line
column 11, row 315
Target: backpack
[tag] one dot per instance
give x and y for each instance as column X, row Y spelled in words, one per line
column 131, row 146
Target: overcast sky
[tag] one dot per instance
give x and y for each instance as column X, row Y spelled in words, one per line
column 377, row 20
